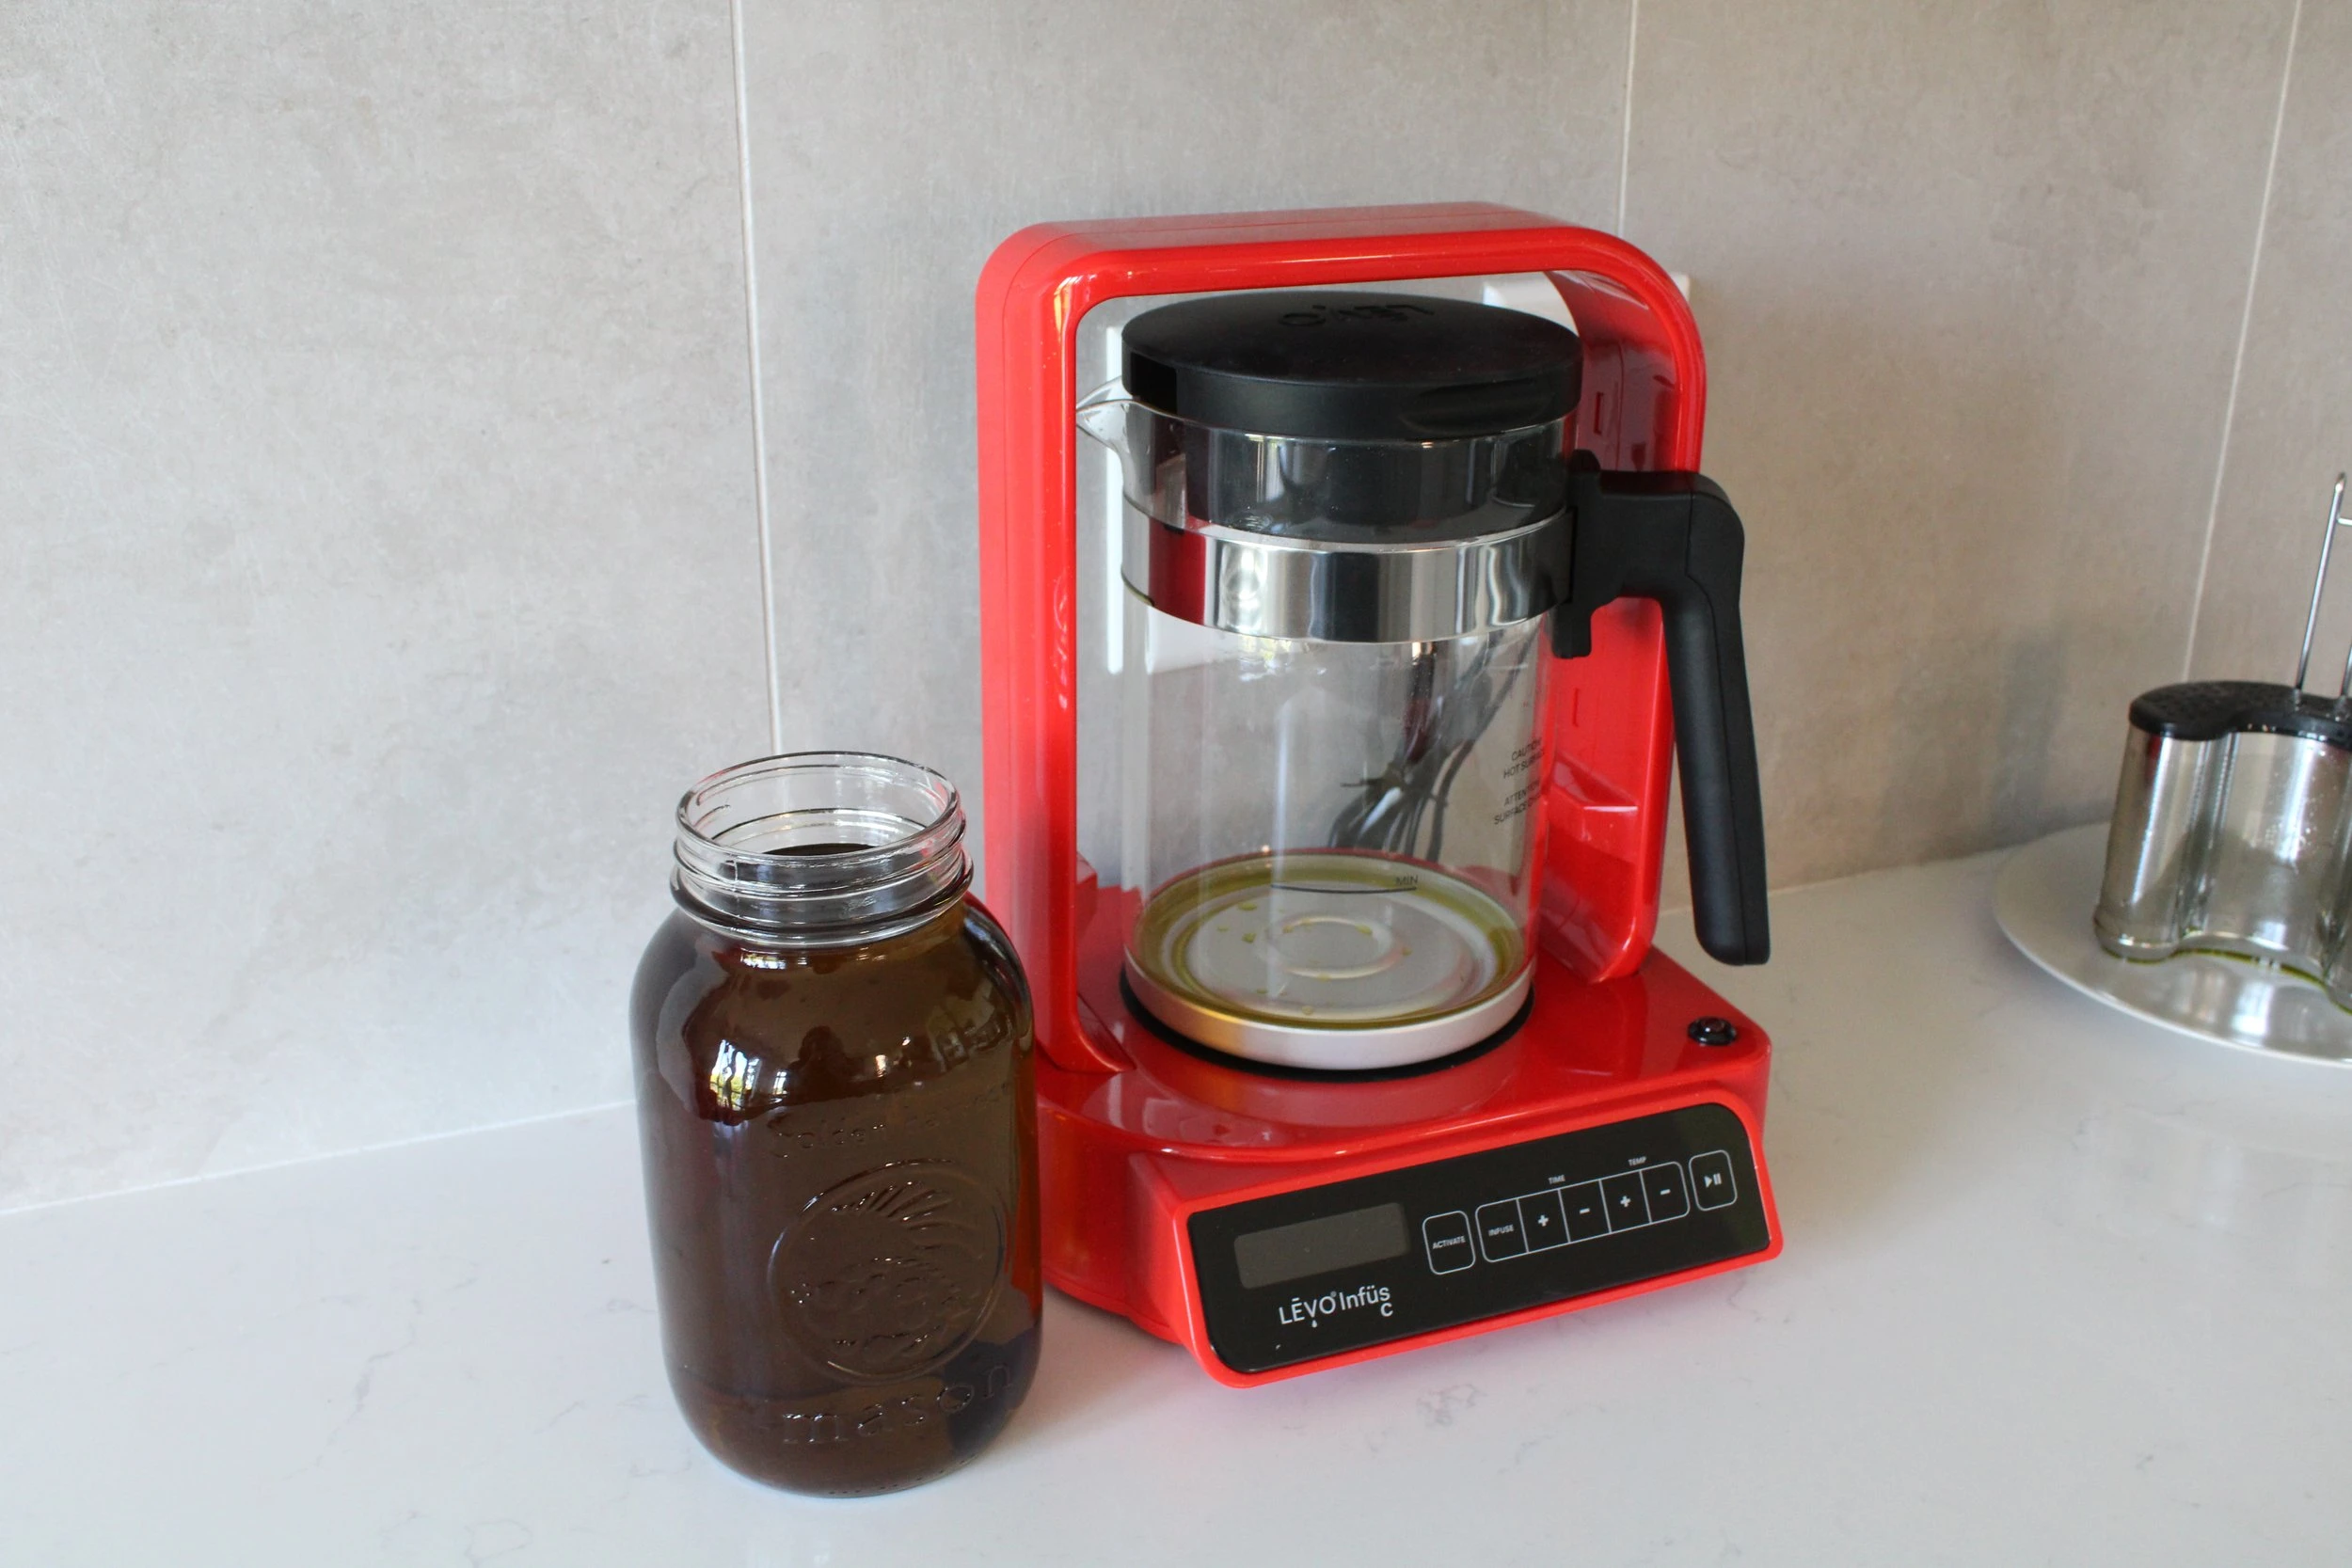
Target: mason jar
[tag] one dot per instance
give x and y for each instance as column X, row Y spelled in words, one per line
column 833, row 1047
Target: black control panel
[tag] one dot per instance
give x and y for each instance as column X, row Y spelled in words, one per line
column 1313, row 1273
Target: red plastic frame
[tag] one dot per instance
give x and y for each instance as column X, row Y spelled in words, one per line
column 1119, row 1190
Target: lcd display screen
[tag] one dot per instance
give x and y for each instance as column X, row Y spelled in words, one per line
column 1348, row 1241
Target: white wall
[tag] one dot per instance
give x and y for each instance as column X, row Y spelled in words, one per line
column 378, row 552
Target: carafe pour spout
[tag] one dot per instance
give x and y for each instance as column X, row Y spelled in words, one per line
column 1102, row 414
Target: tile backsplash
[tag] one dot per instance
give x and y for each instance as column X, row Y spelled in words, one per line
column 2290, row 432
column 1971, row 281
column 376, row 561
column 378, row 545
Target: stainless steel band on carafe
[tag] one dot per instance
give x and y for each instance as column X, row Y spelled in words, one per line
column 1327, row 472
column 1229, row 579
column 1219, row 552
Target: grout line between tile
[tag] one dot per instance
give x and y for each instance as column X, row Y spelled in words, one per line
column 759, row 391
column 2245, row 329
column 1625, row 142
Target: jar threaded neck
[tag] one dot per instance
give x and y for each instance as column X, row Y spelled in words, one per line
column 818, row 849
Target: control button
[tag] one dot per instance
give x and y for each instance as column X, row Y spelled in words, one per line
column 1447, row 1240
column 1622, row 1197
column 1711, row 1030
column 1499, row 1230
column 1585, row 1218
column 1711, row 1176
column 1668, row 1198
column 1541, row 1222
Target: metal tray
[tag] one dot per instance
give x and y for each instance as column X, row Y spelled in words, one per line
column 2043, row 899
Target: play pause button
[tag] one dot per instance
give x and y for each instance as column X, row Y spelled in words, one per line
column 1710, row 1180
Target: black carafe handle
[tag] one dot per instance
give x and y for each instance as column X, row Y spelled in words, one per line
column 1673, row 537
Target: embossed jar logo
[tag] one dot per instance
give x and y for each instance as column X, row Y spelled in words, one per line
column 890, row 1272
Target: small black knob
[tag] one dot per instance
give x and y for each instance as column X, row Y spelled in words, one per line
column 1711, row 1030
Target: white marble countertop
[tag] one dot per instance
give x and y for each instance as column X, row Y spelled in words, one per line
column 2060, row 1288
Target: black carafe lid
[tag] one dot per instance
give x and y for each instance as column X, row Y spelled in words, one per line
column 1335, row 365
column 1346, row 418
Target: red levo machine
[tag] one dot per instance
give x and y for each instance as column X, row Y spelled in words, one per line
column 1348, row 583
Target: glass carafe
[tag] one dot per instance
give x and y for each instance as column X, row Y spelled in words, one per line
column 1352, row 538
column 1332, row 703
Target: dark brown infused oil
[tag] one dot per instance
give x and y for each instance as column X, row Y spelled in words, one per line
column 834, row 1094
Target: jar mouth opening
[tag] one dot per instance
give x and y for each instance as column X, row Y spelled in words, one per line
column 815, row 843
